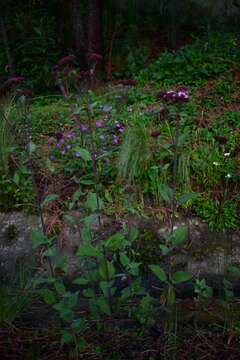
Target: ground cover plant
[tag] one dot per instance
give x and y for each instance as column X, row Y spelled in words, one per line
column 157, row 148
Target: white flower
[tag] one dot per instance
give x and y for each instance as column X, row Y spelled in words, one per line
column 216, row 163
column 227, row 154
column 228, row 176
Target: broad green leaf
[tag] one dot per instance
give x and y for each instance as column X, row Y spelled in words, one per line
column 159, row 272
column 179, row 235
column 60, row 288
column 80, row 281
column 79, row 325
column 90, row 220
column 180, row 276
column 234, row 270
column 48, row 296
column 66, row 337
column 116, row 242
column 106, row 270
column 187, row 197
column 133, row 234
column 89, row 293
column 86, row 234
column 50, row 166
column 31, row 147
column 81, row 343
column 84, row 153
column 76, row 195
column 92, row 203
column 124, row 259
column 16, row 178
column 166, row 192
column 165, row 249
column 171, row 296
column 72, row 220
column 87, row 250
column 104, row 306
column 86, row 182
column 52, row 251
column 48, row 198
column 38, row 238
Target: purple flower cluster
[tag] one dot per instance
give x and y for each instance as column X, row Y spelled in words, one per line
column 119, row 127
column 181, row 95
column 62, row 138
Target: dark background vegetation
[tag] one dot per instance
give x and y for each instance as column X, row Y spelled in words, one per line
column 36, row 33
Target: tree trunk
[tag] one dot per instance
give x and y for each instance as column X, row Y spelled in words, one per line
column 6, row 46
column 95, row 26
column 77, row 25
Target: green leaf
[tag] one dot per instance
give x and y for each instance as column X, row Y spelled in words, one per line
column 179, row 235
column 89, row 293
column 234, row 270
column 38, row 238
column 133, row 234
column 85, row 154
column 104, row 306
column 66, row 337
column 60, row 288
column 48, row 296
column 16, row 178
column 31, row 147
column 72, row 220
column 86, row 182
column 116, row 242
column 166, row 192
column 80, row 281
column 76, row 195
column 87, row 250
column 81, row 343
column 159, row 272
column 187, row 197
column 50, row 166
column 106, row 270
column 165, row 249
column 52, row 251
column 90, row 220
column 48, row 198
column 86, row 234
column 79, row 325
column 180, row 276
column 124, row 259
column 171, row 296
column 91, row 202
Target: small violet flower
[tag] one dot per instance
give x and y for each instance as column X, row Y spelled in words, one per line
column 77, row 154
column 83, row 128
column 98, row 123
column 115, row 139
column 102, row 137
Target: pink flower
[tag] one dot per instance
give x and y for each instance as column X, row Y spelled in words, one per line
column 15, row 80
column 94, row 57
column 67, row 59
